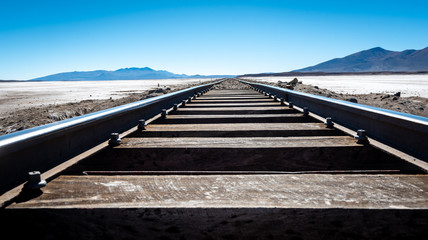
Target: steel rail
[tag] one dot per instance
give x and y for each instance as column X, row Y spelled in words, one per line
column 405, row 132
column 44, row 147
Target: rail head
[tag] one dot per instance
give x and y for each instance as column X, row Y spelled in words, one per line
column 41, row 148
column 405, row 132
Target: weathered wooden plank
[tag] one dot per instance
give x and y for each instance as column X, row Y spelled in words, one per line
column 250, row 142
column 291, row 115
column 237, row 130
column 235, row 108
column 220, row 101
column 238, row 126
column 235, row 191
column 229, row 104
column 232, row 97
column 233, row 111
column 236, row 118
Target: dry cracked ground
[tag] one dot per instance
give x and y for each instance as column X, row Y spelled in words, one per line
column 32, row 117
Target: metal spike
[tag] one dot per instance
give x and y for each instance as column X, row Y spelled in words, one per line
column 164, row 113
column 305, row 111
column 114, row 139
column 361, row 136
column 35, row 181
column 329, row 122
column 142, row 124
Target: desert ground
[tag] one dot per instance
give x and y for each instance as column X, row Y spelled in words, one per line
column 410, row 85
column 391, row 92
column 22, row 95
column 25, row 105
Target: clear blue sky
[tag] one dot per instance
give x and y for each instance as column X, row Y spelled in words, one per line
column 38, row 38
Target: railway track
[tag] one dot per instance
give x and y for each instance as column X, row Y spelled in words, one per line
column 233, row 164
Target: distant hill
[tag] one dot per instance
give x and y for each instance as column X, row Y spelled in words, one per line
column 375, row 60
column 120, row 74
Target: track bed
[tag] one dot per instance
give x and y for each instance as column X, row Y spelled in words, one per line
column 232, row 164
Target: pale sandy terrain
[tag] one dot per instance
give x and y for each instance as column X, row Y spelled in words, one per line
column 408, row 85
column 29, row 104
column 387, row 100
column 20, row 95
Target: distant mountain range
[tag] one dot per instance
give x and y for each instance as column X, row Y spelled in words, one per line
column 375, row 60
column 120, row 74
